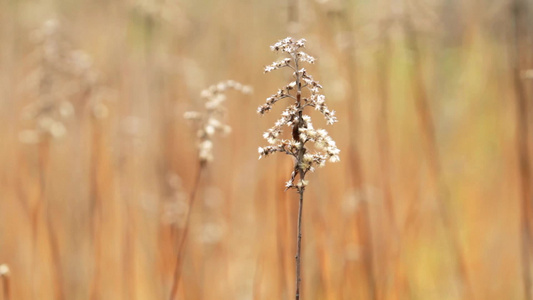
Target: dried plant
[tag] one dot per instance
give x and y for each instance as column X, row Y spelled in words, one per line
column 61, row 78
column 209, row 121
column 62, row 74
column 304, row 92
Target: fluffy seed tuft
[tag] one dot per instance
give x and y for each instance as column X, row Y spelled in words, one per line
column 303, row 91
column 210, row 119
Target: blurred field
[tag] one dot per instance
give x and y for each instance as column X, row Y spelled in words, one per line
column 427, row 201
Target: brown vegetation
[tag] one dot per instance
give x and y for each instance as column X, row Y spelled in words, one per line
column 431, row 198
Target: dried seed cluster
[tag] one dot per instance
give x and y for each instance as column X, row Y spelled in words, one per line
column 304, row 92
column 62, row 75
column 210, row 120
column 4, row 270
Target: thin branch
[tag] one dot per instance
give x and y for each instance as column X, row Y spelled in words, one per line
column 181, row 244
column 522, row 137
column 299, row 244
column 299, row 170
column 302, row 132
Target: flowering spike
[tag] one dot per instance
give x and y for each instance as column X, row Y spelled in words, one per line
column 209, row 119
column 303, row 131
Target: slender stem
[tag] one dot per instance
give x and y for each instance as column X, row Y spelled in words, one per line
column 522, row 136
column 96, row 209
column 427, row 126
column 355, row 172
column 179, row 259
column 44, row 208
column 5, row 284
column 299, row 244
column 299, row 170
column 293, row 11
column 290, row 66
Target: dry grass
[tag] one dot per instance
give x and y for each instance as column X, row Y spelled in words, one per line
column 429, row 200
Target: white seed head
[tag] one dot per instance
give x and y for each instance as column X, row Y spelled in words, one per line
column 100, row 110
column 210, row 120
column 192, row 115
column 302, row 183
column 66, row 109
column 247, row 89
column 334, row 158
column 66, row 73
column 29, row 136
column 303, row 133
column 4, row 270
column 57, row 129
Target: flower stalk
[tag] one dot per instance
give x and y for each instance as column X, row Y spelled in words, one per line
column 209, row 122
column 309, row 147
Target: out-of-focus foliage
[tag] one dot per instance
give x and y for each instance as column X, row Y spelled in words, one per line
column 425, row 202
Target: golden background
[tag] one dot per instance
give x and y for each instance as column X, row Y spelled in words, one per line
column 429, row 201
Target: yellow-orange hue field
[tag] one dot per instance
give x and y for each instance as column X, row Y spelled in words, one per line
column 430, row 199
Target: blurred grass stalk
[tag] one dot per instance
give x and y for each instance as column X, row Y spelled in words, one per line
column 4, row 275
column 44, row 208
column 427, row 126
column 185, row 232
column 97, row 178
column 519, row 55
column 363, row 226
column 391, row 264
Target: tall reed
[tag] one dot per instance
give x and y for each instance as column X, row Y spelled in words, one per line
column 303, row 92
column 209, row 121
column 58, row 77
column 519, row 34
column 427, row 126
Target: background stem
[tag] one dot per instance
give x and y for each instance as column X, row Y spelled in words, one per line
column 522, row 146
column 299, row 244
column 179, row 259
column 5, row 284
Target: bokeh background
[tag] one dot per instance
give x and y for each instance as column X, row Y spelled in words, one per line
column 429, row 201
